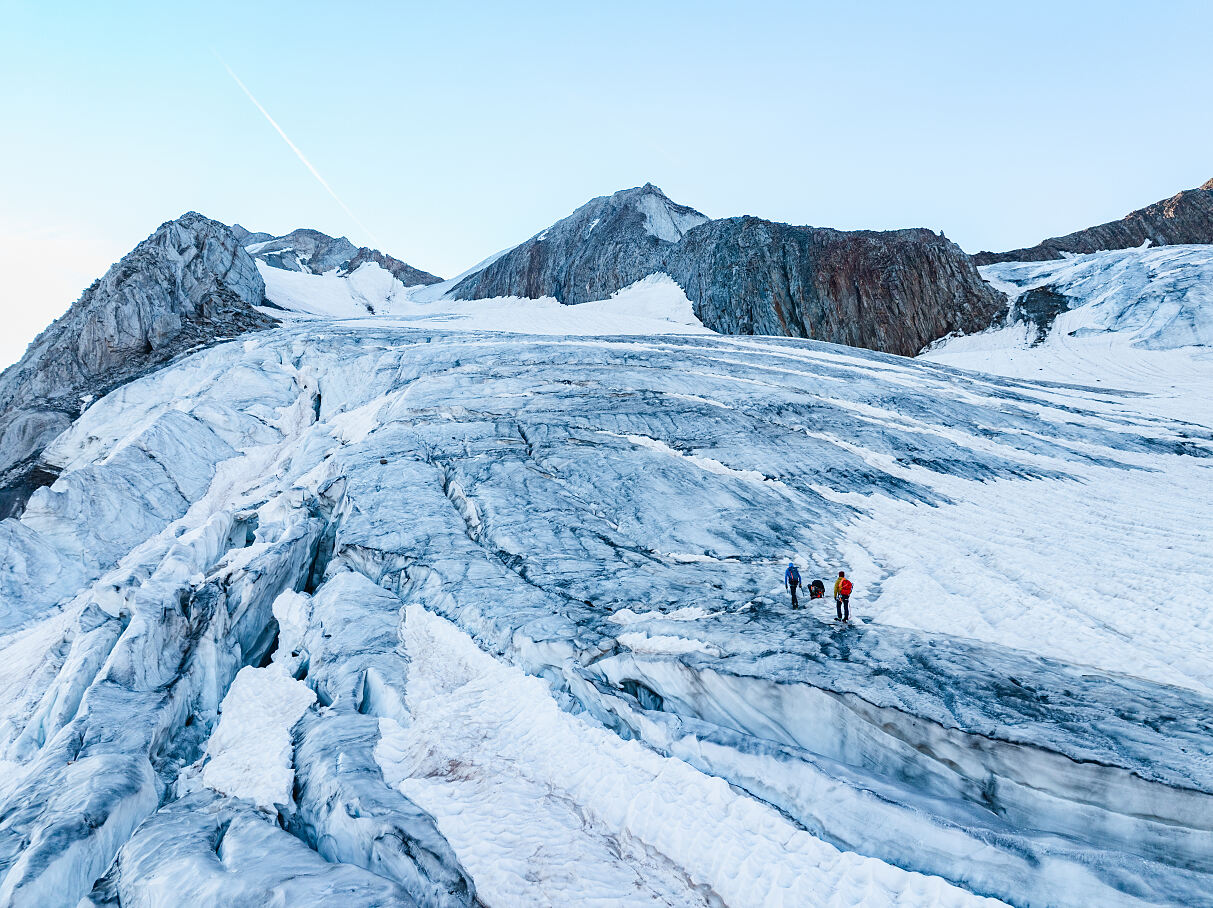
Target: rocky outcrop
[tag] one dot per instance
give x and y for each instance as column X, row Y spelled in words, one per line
column 189, row 284
column 894, row 291
column 403, row 272
column 248, row 237
column 1186, row 217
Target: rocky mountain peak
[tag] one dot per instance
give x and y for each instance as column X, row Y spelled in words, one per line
column 1208, row 185
column 663, row 218
column 303, row 249
column 894, row 291
column 189, row 284
column 402, row 271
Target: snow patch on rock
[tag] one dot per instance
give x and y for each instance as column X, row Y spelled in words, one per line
column 663, row 220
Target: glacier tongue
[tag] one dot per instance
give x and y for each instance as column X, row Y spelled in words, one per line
column 407, row 520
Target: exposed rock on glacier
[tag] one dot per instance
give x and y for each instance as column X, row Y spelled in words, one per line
column 895, row 291
column 611, row 516
column 1186, row 217
column 187, row 285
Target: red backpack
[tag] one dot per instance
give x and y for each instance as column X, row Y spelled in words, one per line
column 845, row 587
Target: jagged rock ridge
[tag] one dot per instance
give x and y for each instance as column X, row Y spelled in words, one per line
column 314, row 252
column 187, row 285
column 893, row 291
column 1186, row 217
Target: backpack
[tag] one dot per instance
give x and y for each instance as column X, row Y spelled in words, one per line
column 817, row 589
column 845, row 587
column 793, row 577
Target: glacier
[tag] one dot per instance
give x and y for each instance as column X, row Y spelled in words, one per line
column 482, row 603
column 1131, row 319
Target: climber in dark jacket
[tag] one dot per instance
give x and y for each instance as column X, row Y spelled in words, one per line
column 791, row 580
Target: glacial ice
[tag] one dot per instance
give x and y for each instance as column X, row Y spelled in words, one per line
column 547, row 570
column 1137, row 320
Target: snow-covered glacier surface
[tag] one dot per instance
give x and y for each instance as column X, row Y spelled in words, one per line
column 1136, row 319
column 412, row 615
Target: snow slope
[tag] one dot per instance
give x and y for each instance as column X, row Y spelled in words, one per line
column 1137, row 319
column 534, row 585
column 654, row 306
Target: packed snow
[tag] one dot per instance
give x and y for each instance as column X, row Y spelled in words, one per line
column 249, row 755
column 533, row 583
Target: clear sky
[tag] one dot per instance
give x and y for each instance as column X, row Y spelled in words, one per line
column 451, row 130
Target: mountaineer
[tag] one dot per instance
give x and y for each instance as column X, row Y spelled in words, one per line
column 791, row 580
column 842, row 596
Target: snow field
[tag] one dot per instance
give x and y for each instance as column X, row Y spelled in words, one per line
column 1111, row 570
column 1141, row 321
column 654, row 305
column 544, row 808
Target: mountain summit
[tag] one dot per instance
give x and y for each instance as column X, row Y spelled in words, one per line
column 894, row 291
column 606, row 244
column 189, row 284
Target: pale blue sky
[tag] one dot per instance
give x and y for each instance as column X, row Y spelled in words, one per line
column 452, row 130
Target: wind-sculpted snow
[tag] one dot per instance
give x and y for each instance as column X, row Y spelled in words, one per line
column 406, row 521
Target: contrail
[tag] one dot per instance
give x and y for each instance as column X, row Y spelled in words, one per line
column 299, row 154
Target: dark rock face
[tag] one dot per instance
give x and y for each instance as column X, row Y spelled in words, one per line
column 316, row 253
column 894, row 291
column 248, row 237
column 405, row 273
column 1041, row 306
column 1186, row 217
column 189, row 284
